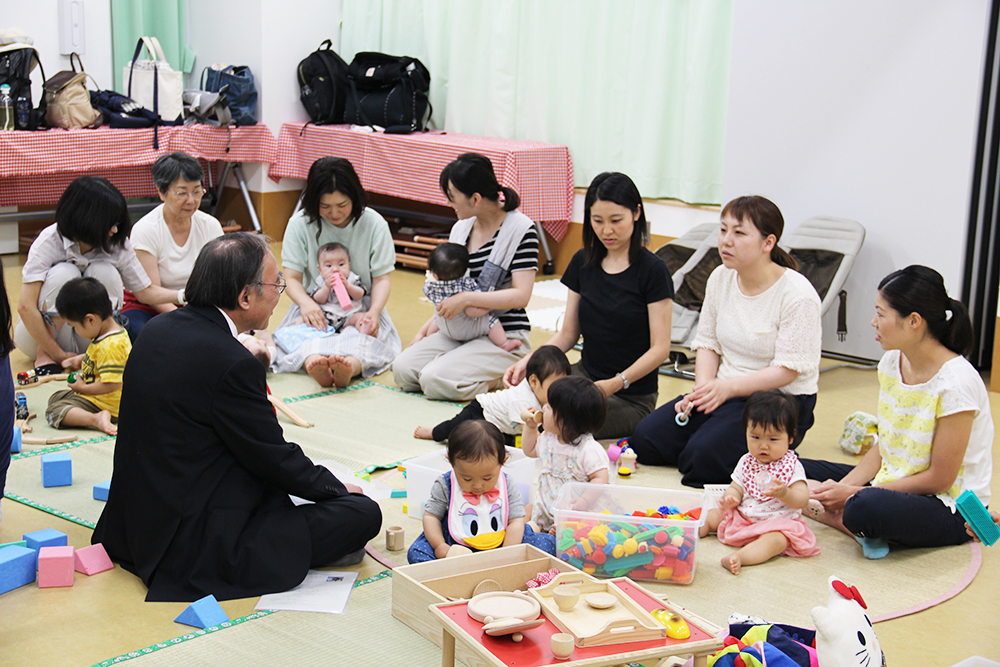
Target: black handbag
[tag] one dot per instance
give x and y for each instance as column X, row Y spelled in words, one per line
column 323, row 85
column 16, row 63
column 388, row 91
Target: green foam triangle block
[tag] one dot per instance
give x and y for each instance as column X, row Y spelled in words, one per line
column 203, row 613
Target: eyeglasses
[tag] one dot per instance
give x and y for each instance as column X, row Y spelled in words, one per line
column 197, row 193
column 280, row 286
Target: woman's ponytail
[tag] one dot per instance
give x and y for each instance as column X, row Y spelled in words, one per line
column 509, row 200
column 782, row 258
column 959, row 336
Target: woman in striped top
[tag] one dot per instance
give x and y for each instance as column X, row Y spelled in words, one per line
column 503, row 257
column 934, row 424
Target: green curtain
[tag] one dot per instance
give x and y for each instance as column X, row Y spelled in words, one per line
column 163, row 19
column 638, row 86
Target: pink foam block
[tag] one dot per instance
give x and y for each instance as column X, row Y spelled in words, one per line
column 55, row 567
column 341, row 291
column 91, row 560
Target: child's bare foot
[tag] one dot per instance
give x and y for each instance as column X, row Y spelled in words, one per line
column 318, row 368
column 510, row 345
column 104, row 423
column 341, row 369
column 424, row 432
column 732, row 563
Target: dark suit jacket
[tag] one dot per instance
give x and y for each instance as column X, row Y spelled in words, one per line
column 199, row 498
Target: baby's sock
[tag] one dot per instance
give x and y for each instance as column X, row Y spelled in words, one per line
column 874, row 547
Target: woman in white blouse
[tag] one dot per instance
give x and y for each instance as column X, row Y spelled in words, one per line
column 759, row 329
column 168, row 239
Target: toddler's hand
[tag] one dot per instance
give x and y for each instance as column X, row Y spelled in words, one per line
column 968, row 529
column 579, row 504
column 728, row 502
column 776, row 489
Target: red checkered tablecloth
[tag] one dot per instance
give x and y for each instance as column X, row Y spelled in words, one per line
column 35, row 167
column 408, row 165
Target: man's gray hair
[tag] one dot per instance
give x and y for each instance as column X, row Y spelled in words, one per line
column 224, row 267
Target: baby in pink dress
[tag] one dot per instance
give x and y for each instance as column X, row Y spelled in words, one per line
column 761, row 511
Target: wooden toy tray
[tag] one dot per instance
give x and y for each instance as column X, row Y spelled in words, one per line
column 625, row 622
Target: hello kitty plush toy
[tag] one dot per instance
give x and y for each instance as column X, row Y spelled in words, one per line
column 844, row 635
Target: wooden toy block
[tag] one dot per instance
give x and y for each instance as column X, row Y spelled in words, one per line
column 17, row 567
column 57, row 469
column 203, row 613
column 101, row 490
column 46, row 537
column 91, row 560
column 55, row 567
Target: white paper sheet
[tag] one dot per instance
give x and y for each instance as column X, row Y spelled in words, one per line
column 322, row 591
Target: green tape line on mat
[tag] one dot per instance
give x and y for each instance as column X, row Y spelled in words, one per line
column 216, row 628
column 50, row 510
column 329, row 392
column 59, row 448
column 410, row 393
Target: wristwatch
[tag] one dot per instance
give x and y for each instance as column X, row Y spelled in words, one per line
column 625, row 382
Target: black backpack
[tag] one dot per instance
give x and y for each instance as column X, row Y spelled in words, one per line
column 324, row 85
column 15, row 71
column 388, row 91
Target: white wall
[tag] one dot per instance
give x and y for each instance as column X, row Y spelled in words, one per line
column 40, row 20
column 271, row 37
column 862, row 110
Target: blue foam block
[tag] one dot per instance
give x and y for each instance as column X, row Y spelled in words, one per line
column 203, row 613
column 47, row 537
column 57, row 469
column 15, row 443
column 397, row 493
column 101, row 490
column 17, row 567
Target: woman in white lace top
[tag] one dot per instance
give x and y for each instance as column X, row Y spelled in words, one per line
column 759, row 329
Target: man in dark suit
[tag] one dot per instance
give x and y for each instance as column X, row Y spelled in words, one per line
column 199, row 498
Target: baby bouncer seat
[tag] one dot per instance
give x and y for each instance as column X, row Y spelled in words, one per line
column 825, row 248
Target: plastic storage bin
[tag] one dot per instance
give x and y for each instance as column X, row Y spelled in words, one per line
column 423, row 470
column 597, row 532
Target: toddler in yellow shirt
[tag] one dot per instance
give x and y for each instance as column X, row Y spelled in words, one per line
column 93, row 397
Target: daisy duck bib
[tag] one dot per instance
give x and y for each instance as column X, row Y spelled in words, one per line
column 478, row 522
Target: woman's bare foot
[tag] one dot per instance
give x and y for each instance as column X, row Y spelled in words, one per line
column 342, row 370
column 732, row 563
column 318, row 368
column 104, row 423
column 424, row 432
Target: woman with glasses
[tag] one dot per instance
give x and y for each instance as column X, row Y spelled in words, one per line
column 334, row 209
column 90, row 238
column 168, row 239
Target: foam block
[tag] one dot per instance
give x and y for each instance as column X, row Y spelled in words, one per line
column 101, row 490
column 55, row 567
column 47, row 537
column 57, row 469
column 203, row 613
column 91, row 560
column 15, row 443
column 21, row 543
column 17, row 567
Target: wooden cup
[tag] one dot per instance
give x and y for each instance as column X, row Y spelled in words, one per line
column 566, row 597
column 395, row 539
column 562, row 645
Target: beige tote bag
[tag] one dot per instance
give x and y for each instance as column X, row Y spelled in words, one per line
column 153, row 83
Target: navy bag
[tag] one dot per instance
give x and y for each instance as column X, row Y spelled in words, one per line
column 241, row 92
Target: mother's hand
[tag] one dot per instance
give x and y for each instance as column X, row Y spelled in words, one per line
column 709, row 396
column 832, row 495
column 515, row 373
column 313, row 315
column 453, row 305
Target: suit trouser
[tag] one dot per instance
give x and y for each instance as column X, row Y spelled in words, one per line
column 340, row 526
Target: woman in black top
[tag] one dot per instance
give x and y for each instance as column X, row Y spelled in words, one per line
column 620, row 300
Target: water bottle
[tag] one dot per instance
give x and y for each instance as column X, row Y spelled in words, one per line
column 6, row 109
column 22, row 112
